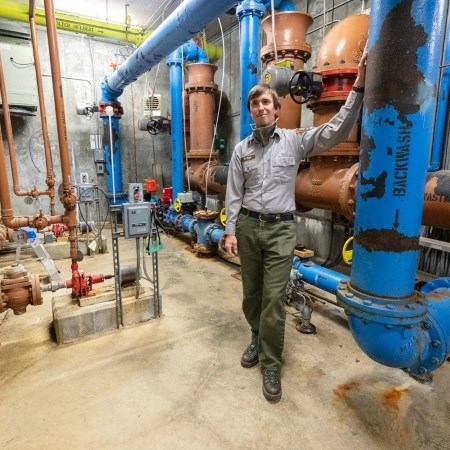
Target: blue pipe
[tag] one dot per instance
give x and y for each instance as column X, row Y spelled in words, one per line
column 442, row 107
column 190, row 51
column 186, row 21
column 319, row 276
column 398, row 115
column 249, row 14
column 394, row 324
column 116, row 159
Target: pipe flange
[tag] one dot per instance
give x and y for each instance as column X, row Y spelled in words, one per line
column 36, row 294
column 406, row 311
column 209, row 230
column 250, row 7
column 177, row 221
column 347, row 193
column 192, row 231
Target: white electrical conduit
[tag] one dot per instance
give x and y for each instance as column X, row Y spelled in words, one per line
column 272, row 6
column 218, row 109
column 110, row 112
column 186, row 156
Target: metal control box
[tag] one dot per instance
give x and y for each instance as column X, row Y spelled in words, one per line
column 135, row 193
column 86, row 193
column 136, row 219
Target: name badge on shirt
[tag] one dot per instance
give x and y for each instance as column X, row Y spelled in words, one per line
column 248, row 158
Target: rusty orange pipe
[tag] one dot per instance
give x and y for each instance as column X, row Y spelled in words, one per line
column 289, row 40
column 50, row 175
column 68, row 199
column 9, row 137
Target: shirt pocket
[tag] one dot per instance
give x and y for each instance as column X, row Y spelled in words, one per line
column 284, row 168
column 251, row 173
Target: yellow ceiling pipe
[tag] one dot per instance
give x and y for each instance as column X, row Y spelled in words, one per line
column 19, row 12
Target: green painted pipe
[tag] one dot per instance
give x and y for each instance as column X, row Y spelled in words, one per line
column 19, row 12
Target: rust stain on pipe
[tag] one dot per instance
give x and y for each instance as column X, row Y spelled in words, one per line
column 386, row 240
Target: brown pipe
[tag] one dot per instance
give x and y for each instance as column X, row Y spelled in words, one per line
column 291, row 48
column 50, row 177
column 201, row 89
column 9, row 137
column 68, row 199
column 329, row 185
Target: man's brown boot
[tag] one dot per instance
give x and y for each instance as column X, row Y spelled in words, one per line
column 250, row 356
column 271, row 385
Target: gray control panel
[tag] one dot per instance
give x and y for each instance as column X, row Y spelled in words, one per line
column 136, row 219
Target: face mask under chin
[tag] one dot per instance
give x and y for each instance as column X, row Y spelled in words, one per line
column 263, row 134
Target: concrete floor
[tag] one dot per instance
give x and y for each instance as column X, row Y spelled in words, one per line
column 176, row 382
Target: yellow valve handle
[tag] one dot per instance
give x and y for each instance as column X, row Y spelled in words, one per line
column 177, row 205
column 223, row 217
column 347, row 255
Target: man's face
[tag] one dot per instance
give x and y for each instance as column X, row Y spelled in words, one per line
column 263, row 110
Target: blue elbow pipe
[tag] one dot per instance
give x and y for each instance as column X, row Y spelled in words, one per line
column 186, row 21
column 394, row 324
column 442, row 107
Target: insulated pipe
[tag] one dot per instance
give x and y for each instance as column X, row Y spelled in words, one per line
column 186, row 21
column 391, row 322
column 442, row 107
column 249, row 13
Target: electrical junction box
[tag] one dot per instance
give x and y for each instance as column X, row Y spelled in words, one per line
column 136, row 220
column 185, row 197
column 19, row 72
column 99, row 155
column 135, row 193
column 86, row 193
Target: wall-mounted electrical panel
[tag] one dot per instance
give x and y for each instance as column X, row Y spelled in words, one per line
column 19, row 72
column 136, row 220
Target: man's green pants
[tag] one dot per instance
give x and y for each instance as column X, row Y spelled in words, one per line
column 265, row 251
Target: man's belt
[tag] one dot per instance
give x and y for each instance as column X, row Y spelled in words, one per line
column 263, row 217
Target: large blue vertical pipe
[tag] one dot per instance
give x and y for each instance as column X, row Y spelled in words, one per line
column 399, row 105
column 187, row 52
column 442, row 107
column 249, row 13
column 176, row 109
column 115, row 161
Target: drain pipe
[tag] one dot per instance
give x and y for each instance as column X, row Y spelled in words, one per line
column 392, row 323
column 442, row 107
column 185, row 21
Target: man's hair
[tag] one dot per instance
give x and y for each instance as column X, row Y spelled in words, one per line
column 261, row 89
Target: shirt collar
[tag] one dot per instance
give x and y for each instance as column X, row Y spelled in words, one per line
column 276, row 132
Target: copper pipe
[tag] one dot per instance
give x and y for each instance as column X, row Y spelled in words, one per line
column 68, row 199
column 201, row 89
column 39, row 221
column 289, row 41
column 330, row 183
column 9, row 137
column 50, row 177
